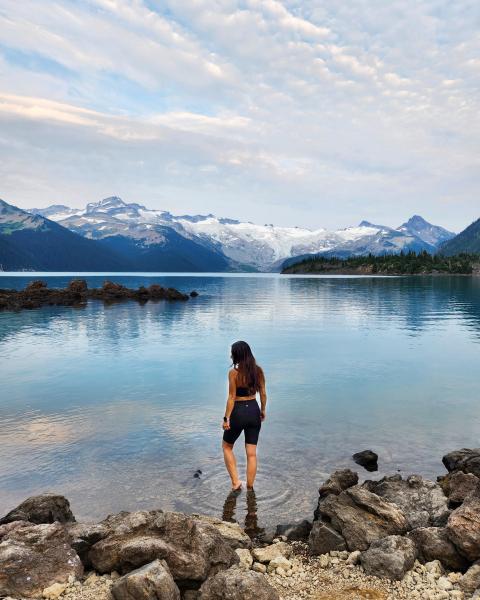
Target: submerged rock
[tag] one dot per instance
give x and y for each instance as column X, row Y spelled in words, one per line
column 367, row 459
column 46, row 508
column 237, row 584
column 150, row 582
column 390, row 557
column 362, row 517
column 34, row 557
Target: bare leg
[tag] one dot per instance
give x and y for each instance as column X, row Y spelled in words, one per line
column 251, row 450
column 231, row 464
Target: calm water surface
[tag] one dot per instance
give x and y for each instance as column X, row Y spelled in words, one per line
column 116, row 407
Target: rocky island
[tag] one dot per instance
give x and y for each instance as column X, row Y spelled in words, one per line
column 381, row 539
column 77, row 293
column 410, row 263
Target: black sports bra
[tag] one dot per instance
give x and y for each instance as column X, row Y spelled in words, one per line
column 243, row 391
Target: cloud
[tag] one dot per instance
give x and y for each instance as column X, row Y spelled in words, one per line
column 324, row 112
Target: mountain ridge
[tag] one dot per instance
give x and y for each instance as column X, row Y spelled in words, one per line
column 245, row 244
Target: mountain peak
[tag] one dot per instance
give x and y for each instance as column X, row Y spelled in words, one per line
column 105, row 204
column 417, row 221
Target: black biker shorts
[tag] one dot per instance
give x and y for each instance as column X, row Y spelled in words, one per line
column 245, row 417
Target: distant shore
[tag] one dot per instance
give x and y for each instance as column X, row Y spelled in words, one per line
column 393, row 265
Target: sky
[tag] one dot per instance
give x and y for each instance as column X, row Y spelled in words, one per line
column 309, row 113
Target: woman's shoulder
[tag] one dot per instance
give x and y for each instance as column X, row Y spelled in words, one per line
column 232, row 372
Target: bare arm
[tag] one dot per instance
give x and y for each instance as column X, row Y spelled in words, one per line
column 232, row 392
column 263, row 395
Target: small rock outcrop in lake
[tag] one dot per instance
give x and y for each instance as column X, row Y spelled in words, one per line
column 77, row 293
column 367, row 459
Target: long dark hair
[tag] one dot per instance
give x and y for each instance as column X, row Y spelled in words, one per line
column 243, row 360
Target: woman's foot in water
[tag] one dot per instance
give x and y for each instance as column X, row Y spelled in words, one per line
column 237, row 487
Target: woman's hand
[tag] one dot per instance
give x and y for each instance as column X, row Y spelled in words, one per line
column 226, row 424
column 262, row 415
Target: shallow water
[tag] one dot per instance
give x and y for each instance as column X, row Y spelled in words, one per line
column 116, row 407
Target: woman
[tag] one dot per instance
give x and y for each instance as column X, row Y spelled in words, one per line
column 242, row 413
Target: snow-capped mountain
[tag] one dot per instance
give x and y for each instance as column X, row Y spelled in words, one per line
column 262, row 247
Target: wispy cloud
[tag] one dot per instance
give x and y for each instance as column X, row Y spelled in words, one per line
column 298, row 112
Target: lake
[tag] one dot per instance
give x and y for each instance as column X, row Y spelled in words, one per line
column 117, row 406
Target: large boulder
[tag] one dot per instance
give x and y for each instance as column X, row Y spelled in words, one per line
column 338, row 482
column 46, row 508
column 34, row 557
column 193, row 549
column 232, row 533
column 433, row 543
column 457, row 486
column 466, row 460
column 390, row 557
column 463, row 526
column 150, row 582
column 237, row 584
column 323, row 539
column 362, row 517
column 422, row 501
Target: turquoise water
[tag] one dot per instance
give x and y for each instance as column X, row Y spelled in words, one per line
column 116, row 407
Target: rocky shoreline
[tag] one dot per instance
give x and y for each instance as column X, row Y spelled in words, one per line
column 382, row 539
column 77, row 294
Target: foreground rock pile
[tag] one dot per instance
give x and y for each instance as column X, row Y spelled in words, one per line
column 385, row 539
column 37, row 294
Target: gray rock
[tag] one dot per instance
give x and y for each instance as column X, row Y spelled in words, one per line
column 390, row 557
column 84, row 536
column 150, row 582
column 422, row 501
column 323, row 539
column 46, row 508
column 268, row 553
column 193, row 549
column 232, row 533
column 466, row 460
column 471, row 579
column 362, row 517
column 236, row 584
column 297, row 531
column 433, row 543
column 367, row 459
column 34, row 557
column 463, row 526
column 338, row 482
column 458, row 485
